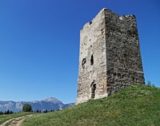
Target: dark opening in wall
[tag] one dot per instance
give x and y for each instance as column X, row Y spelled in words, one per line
column 92, row 60
column 93, row 89
column 133, row 78
column 90, row 22
column 83, row 63
column 125, row 55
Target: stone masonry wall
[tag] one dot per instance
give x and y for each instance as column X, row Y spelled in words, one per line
column 92, row 45
column 109, row 56
column 124, row 64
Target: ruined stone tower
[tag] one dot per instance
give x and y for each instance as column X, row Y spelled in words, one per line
column 110, row 56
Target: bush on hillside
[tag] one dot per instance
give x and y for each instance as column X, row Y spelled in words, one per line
column 27, row 108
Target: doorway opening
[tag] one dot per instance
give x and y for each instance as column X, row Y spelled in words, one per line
column 93, row 89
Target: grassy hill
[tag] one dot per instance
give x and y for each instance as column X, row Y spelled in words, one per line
column 133, row 106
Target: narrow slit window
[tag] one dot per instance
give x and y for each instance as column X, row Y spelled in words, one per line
column 92, row 60
column 83, row 63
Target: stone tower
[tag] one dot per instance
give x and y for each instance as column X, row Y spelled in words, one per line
column 110, row 56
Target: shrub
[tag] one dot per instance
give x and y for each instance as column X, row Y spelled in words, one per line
column 27, row 108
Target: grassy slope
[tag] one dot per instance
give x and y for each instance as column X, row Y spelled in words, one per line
column 133, row 106
column 4, row 118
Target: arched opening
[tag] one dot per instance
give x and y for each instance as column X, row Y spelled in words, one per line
column 93, row 89
column 92, row 60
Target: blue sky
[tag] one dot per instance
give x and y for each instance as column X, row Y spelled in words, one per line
column 39, row 44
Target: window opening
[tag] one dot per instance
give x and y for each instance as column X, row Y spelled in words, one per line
column 83, row 63
column 92, row 60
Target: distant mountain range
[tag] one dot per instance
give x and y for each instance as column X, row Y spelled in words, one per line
column 46, row 104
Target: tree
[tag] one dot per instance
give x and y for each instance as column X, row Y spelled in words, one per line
column 7, row 112
column 45, row 111
column 27, row 108
column 38, row 111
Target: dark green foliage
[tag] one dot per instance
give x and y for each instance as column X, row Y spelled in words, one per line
column 38, row 111
column 8, row 112
column 27, row 108
column 45, row 111
column 1, row 113
column 137, row 105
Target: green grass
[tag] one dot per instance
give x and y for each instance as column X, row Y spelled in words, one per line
column 4, row 118
column 133, row 106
